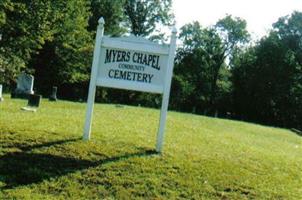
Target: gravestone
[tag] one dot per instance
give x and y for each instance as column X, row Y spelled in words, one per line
column 34, row 100
column 53, row 96
column 33, row 103
column 1, row 98
column 25, row 85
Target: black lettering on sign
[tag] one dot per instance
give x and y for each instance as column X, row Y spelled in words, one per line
column 110, row 73
column 137, row 57
column 117, row 56
column 146, row 59
column 131, row 67
column 130, row 76
column 108, row 56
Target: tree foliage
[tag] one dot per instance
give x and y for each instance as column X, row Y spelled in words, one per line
column 69, row 51
column 197, row 67
column 148, row 16
column 233, row 33
column 268, row 76
column 24, row 29
column 112, row 12
column 201, row 70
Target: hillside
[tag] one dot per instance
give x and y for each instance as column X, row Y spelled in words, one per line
column 42, row 155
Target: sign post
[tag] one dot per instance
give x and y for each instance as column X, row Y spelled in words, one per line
column 92, row 84
column 166, row 94
column 131, row 63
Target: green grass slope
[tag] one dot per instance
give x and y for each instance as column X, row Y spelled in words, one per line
column 42, row 156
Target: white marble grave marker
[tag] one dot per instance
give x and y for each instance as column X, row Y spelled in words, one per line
column 1, row 98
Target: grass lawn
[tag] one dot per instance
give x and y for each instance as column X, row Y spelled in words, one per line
column 42, row 155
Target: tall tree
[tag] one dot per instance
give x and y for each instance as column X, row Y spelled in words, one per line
column 112, row 12
column 198, row 64
column 64, row 59
column 24, row 28
column 268, row 76
column 205, row 51
column 233, row 33
column 146, row 17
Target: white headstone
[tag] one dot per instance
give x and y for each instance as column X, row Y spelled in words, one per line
column 25, row 84
column 1, row 98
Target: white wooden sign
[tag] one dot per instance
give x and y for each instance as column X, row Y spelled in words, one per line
column 131, row 63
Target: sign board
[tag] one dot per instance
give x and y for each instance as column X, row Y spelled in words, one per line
column 131, row 63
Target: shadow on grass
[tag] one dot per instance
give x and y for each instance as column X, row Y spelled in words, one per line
column 28, row 147
column 23, row 168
